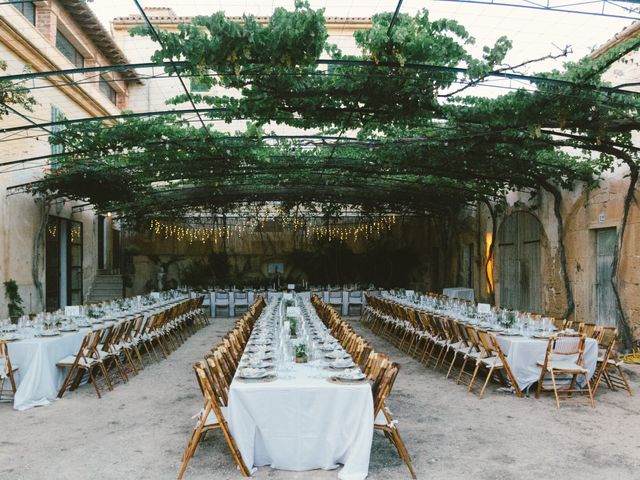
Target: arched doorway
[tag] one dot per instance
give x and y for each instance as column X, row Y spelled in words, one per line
column 519, row 262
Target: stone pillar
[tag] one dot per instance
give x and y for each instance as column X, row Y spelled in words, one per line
column 47, row 22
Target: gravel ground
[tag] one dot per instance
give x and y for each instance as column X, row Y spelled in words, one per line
column 139, row 430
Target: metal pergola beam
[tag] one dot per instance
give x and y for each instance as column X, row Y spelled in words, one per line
column 354, row 63
column 570, row 7
column 72, row 71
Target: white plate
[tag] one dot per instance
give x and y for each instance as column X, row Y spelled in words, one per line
column 49, row 334
column 347, row 377
column 252, row 373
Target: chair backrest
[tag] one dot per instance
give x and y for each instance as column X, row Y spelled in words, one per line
column 335, row 295
column 381, row 388
column 607, row 336
column 564, row 345
column 472, row 338
column 588, row 329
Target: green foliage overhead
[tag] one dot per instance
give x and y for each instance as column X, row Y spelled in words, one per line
column 380, row 131
column 14, row 95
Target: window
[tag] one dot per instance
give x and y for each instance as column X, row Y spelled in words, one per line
column 198, row 85
column 74, row 265
column 56, row 149
column 28, row 9
column 107, row 89
column 68, row 50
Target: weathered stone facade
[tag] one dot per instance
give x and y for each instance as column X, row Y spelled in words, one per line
column 25, row 45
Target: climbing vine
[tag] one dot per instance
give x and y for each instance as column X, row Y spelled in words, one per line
column 397, row 128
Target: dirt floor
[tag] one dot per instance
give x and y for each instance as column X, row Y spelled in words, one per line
column 139, row 430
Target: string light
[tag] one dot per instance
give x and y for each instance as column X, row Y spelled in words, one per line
column 317, row 228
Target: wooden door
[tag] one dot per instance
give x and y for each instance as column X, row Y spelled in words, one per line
column 606, row 239
column 519, row 261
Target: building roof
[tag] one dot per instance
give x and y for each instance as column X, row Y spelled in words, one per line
column 92, row 28
column 627, row 33
column 167, row 15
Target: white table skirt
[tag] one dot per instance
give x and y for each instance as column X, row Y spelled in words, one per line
column 524, row 353
column 38, row 378
column 303, row 423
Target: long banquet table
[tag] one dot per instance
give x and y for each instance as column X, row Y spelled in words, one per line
column 38, row 378
column 523, row 352
column 301, row 421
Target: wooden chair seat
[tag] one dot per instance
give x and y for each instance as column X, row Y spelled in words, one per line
column 563, row 366
column 71, row 359
column 492, row 362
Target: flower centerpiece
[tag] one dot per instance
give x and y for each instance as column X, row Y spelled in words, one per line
column 293, row 327
column 508, row 318
column 301, row 353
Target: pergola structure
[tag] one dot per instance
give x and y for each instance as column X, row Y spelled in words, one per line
column 399, row 128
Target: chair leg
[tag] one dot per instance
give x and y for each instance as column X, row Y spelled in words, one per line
column 462, row 368
column 402, row 451
column 473, row 378
column 555, row 388
column 105, row 374
column 78, row 378
column 590, row 393
column 153, row 349
column 129, row 359
column 453, row 361
column 190, row 449
column 66, row 383
column 625, row 382
column 486, row 382
column 118, row 363
column 94, row 381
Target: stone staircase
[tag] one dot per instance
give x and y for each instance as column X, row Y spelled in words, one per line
column 105, row 287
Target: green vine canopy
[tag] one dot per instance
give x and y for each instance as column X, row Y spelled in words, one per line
column 394, row 129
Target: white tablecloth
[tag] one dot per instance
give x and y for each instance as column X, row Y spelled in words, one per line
column 463, row 293
column 524, row 353
column 38, row 378
column 303, row 423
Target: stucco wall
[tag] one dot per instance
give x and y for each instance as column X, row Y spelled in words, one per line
column 21, row 46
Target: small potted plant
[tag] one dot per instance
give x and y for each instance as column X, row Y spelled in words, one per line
column 293, row 328
column 301, row 353
column 15, row 300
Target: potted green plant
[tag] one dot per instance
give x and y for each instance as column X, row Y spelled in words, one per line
column 293, row 328
column 15, row 300
column 301, row 353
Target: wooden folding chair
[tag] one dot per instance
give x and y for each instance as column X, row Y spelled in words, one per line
column 7, row 372
column 563, row 362
column 382, row 416
column 609, row 366
column 87, row 360
column 211, row 417
column 474, row 352
column 494, row 361
column 109, row 350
